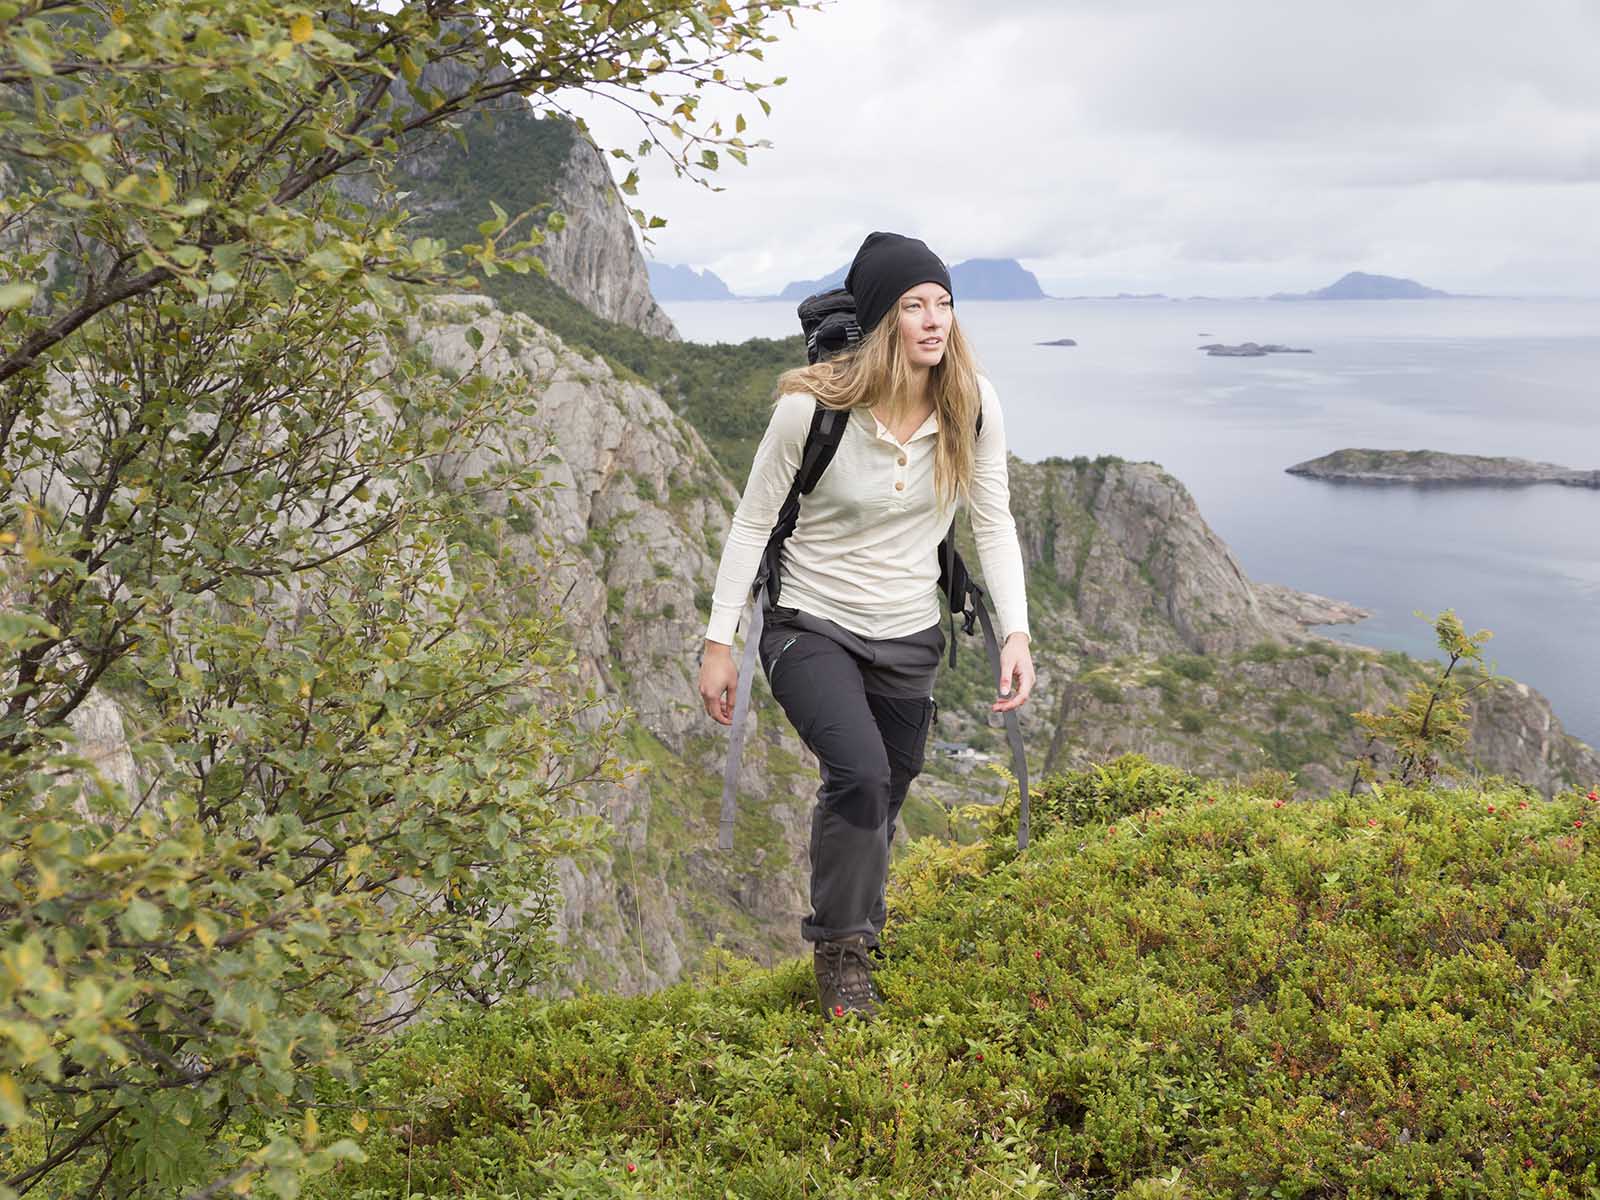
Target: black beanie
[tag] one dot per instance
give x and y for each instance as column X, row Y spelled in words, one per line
column 884, row 268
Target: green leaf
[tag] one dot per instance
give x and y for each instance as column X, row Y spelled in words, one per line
column 16, row 295
column 143, row 918
column 31, row 55
column 113, row 44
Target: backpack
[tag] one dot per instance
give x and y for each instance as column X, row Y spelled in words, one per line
column 828, row 320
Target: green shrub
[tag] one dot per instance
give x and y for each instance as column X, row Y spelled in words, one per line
column 1191, row 720
column 1101, row 793
column 1268, row 783
column 1264, row 652
column 1332, row 998
column 1192, row 667
column 1103, row 690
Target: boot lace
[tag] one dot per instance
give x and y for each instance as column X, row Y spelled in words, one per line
column 850, row 968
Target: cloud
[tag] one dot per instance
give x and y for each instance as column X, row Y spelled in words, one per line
column 1243, row 144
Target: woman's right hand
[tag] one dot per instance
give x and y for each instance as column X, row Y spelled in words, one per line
column 719, row 681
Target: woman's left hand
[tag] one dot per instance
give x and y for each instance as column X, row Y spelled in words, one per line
column 1016, row 674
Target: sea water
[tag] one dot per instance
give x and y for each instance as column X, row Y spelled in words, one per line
column 1472, row 376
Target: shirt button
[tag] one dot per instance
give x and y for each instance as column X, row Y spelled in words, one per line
column 901, row 460
column 899, row 485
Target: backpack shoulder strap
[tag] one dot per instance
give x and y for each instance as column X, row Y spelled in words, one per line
column 827, row 429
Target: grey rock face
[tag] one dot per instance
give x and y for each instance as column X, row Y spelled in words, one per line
column 638, row 517
column 1149, row 575
column 1143, row 578
column 596, row 257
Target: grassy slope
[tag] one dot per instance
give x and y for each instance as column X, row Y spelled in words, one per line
column 1341, row 997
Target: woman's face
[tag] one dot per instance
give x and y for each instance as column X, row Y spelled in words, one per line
column 926, row 314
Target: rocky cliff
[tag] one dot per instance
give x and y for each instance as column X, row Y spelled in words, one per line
column 1148, row 636
column 637, row 512
column 595, row 258
column 522, row 160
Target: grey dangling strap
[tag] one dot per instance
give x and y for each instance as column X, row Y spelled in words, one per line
column 1019, row 759
column 741, row 709
column 950, row 570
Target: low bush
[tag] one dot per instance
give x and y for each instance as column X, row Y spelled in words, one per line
column 1192, row 667
column 1104, row 690
column 1216, row 997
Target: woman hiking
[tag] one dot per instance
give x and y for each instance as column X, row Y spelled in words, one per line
column 851, row 644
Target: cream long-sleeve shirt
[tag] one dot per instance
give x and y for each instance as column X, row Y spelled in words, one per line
column 864, row 550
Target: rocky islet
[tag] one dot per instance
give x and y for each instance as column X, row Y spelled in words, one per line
column 1437, row 467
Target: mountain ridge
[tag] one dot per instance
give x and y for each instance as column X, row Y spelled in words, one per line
column 970, row 279
column 1358, row 285
column 670, row 282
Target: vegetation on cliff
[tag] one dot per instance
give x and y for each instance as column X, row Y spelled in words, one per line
column 1178, row 990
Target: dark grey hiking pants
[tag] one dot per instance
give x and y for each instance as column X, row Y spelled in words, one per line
column 864, row 707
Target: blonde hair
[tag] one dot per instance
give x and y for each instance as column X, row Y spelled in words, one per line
column 875, row 369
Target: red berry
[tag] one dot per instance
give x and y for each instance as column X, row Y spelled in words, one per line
column 1038, row 953
column 1594, row 795
column 980, row 1058
column 1277, row 804
column 1112, row 830
column 905, row 1085
column 1527, row 1162
column 1522, row 804
column 1578, row 824
column 838, row 1010
column 632, row 1168
column 1491, row 808
column 1372, row 820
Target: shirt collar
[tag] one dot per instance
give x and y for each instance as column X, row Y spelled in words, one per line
column 928, row 427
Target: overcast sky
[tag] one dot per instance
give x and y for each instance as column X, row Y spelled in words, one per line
column 1236, row 147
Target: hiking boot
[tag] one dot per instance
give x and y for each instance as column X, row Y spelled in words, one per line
column 844, row 977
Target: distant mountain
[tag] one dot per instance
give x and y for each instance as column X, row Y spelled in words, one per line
column 1360, row 286
column 802, row 288
column 670, row 282
column 994, row 279
column 974, row 279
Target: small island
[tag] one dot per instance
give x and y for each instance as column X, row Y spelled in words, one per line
column 1249, row 350
column 1057, row 342
column 1437, row 467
